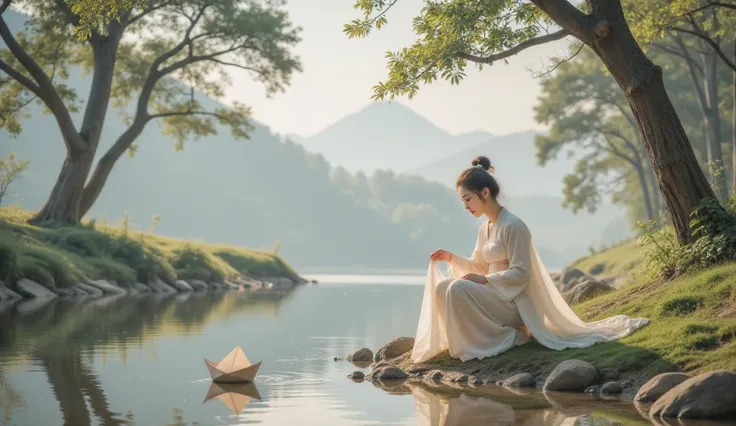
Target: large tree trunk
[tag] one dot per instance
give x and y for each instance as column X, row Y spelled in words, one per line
column 65, row 199
column 656, row 195
column 713, row 123
column 107, row 162
column 680, row 178
column 63, row 202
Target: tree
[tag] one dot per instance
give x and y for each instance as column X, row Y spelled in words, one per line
column 585, row 108
column 10, row 170
column 156, row 54
column 456, row 32
column 692, row 30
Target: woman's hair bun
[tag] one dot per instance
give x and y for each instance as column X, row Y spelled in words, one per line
column 483, row 162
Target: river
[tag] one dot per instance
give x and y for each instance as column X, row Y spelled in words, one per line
column 140, row 361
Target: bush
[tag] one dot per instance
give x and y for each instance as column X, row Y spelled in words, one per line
column 714, row 229
column 193, row 263
column 10, row 270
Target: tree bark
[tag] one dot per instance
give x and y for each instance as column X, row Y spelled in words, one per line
column 680, row 178
column 65, row 200
column 107, row 162
column 63, row 203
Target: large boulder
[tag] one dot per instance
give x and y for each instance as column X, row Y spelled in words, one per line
column 571, row 375
column 570, row 277
column 8, row 294
column 30, row 288
column 586, row 290
column 394, row 348
column 106, row 287
column 142, row 288
column 181, row 285
column 387, row 372
column 521, row 380
column 88, row 290
column 198, row 285
column 707, row 396
column 363, row 354
column 658, row 386
column 159, row 286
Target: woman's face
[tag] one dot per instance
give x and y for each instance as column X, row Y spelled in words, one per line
column 472, row 202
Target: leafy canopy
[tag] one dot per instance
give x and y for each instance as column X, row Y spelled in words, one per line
column 450, row 33
column 165, row 51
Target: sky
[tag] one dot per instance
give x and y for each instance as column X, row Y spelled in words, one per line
column 339, row 74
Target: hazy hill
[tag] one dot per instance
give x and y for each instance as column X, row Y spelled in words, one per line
column 514, row 157
column 267, row 189
column 386, row 136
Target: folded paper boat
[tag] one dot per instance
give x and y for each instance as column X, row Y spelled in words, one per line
column 234, row 368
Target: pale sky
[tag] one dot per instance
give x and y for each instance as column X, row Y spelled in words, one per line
column 339, row 74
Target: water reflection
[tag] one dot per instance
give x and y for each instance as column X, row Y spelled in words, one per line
column 138, row 361
column 235, row 396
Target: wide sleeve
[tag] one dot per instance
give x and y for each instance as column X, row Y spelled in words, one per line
column 517, row 241
column 460, row 265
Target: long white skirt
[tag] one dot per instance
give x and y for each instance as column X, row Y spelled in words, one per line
column 476, row 322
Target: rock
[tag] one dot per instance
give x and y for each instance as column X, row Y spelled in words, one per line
column 658, row 386
column 30, row 288
column 364, row 354
column 586, row 290
column 593, row 389
column 66, row 292
column 357, row 375
column 708, row 396
column 106, row 287
column 142, row 288
column 159, row 286
column 436, row 376
column 78, row 292
column 8, row 294
column 182, row 285
column 571, row 375
column 388, row 373
column 198, row 285
column 476, row 381
column 89, row 290
column 570, row 273
column 611, row 388
column 520, row 380
column 418, row 370
column 394, row 348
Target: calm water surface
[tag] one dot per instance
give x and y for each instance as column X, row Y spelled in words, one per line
column 140, row 361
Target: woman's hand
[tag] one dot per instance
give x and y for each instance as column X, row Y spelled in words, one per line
column 476, row 278
column 442, row 255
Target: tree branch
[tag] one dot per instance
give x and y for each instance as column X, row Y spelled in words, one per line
column 20, row 78
column 711, row 43
column 46, row 90
column 567, row 16
column 4, row 6
column 557, row 35
column 674, row 52
column 693, row 77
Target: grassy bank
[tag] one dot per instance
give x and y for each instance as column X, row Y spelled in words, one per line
column 692, row 328
column 63, row 256
column 617, row 261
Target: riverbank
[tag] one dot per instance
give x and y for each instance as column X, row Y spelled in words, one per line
column 692, row 330
column 93, row 260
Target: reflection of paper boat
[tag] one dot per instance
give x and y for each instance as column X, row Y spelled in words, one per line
column 235, row 396
column 234, row 368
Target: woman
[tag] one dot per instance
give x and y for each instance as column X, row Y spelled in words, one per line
column 502, row 295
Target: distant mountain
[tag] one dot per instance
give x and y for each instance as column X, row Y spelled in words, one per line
column 270, row 190
column 514, row 158
column 386, row 136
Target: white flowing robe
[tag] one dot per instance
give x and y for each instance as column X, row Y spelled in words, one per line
column 473, row 320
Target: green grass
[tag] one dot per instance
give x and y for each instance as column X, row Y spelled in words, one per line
column 692, row 328
column 617, row 261
column 60, row 257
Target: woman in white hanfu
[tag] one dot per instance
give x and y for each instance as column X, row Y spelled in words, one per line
column 502, row 295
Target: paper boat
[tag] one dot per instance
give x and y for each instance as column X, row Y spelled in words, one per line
column 235, row 396
column 234, row 368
